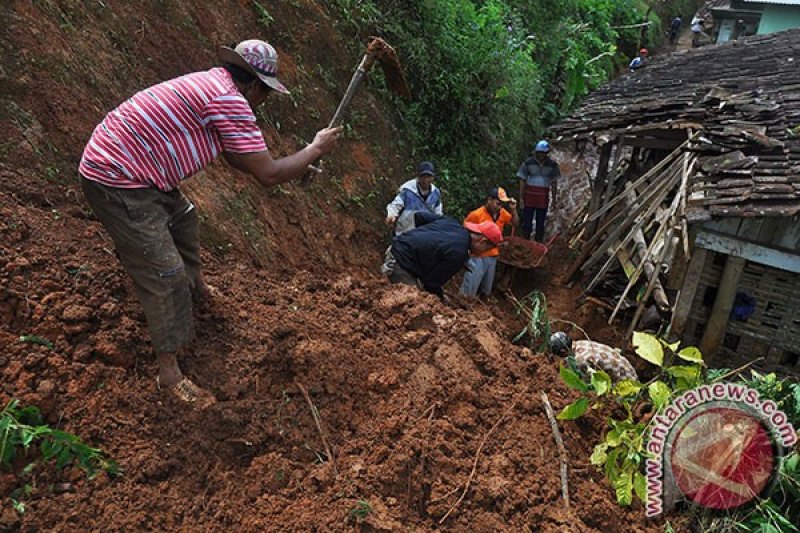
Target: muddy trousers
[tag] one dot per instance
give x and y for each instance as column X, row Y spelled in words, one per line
column 528, row 216
column 157, row 239
column 396, row 273
column 479, row 276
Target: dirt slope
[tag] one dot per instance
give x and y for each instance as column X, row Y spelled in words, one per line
column 406, row 389
column 64, row 64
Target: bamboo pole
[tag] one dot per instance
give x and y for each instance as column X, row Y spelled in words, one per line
column 662, row 192
column 643, row 302
column 635, row 277
column 597, row 186
column 643, row 179
column 659, row 295
column 666, row 220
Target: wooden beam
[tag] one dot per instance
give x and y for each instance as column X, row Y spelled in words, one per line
column 687, row 292
column 748, row 250
column 640, row 248
column 726, row 294
column 649, row 142
column 598, row 185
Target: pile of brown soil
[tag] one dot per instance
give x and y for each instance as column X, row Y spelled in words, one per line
column 522, row 253
column 406, row 389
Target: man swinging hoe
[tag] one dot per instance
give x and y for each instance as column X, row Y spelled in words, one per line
column 139, row 154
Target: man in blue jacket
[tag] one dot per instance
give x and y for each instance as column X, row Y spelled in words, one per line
column 416, row 195
column 432, row 253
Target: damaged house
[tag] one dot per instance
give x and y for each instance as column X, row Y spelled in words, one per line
column 696, row 199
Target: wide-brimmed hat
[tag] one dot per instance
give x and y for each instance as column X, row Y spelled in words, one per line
column 488, row 229
column 259, row 58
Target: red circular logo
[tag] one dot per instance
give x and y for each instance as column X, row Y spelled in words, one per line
column 722, row 457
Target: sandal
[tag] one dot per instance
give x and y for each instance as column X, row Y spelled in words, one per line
column 207, row 293
column 186, row 391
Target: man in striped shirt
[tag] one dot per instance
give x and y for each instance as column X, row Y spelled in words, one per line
column 143, row 149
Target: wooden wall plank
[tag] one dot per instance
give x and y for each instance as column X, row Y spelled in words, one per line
column 750, row 251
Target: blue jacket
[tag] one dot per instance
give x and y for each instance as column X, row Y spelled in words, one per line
column 408, row 198
column 434, row 252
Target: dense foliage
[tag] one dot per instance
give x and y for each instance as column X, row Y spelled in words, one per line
column 623, row 451
column 488, row 77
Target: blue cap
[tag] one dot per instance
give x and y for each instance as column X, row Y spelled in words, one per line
column 426, row 168
column 543, row 146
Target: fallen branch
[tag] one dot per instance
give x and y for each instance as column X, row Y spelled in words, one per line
column 631, row 26
column 440, row 498
column 738, row 370
column 318, row 422
column 574, row 325
column 475, row 462
column 561, row 450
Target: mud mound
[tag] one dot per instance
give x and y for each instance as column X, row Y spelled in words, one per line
column 522, row 253
column 406, row 388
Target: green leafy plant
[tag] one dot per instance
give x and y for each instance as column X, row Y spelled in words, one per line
column 361, row 511
column 22, row 429
column 263, row 15
column 785, row 393
column 534, row 308
column 621, row 454
column 35, row 339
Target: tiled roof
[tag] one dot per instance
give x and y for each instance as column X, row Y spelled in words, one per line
column 744, row 97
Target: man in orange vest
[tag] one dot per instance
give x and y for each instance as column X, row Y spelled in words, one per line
column 481, row 267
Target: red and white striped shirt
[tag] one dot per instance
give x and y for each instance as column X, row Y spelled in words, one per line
column 170, row 131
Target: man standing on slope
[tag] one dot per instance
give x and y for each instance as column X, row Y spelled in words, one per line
column 416, row 195
column 538, row 179
column 481, row 267
column 134, row 161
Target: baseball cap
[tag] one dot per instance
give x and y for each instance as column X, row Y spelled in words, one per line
column 259, row 58
column 488, row 229
column 426, row 168
column 499, row 193
column 543, row 146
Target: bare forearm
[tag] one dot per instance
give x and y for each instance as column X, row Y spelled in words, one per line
column 271, row 172
column 289, row 167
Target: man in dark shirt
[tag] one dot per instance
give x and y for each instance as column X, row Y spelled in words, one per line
column 674, row 29
column 436, row 250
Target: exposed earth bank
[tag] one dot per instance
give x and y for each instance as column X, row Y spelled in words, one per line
column 407, row 388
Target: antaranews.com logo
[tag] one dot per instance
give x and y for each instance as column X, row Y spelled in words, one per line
column 717, row 445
